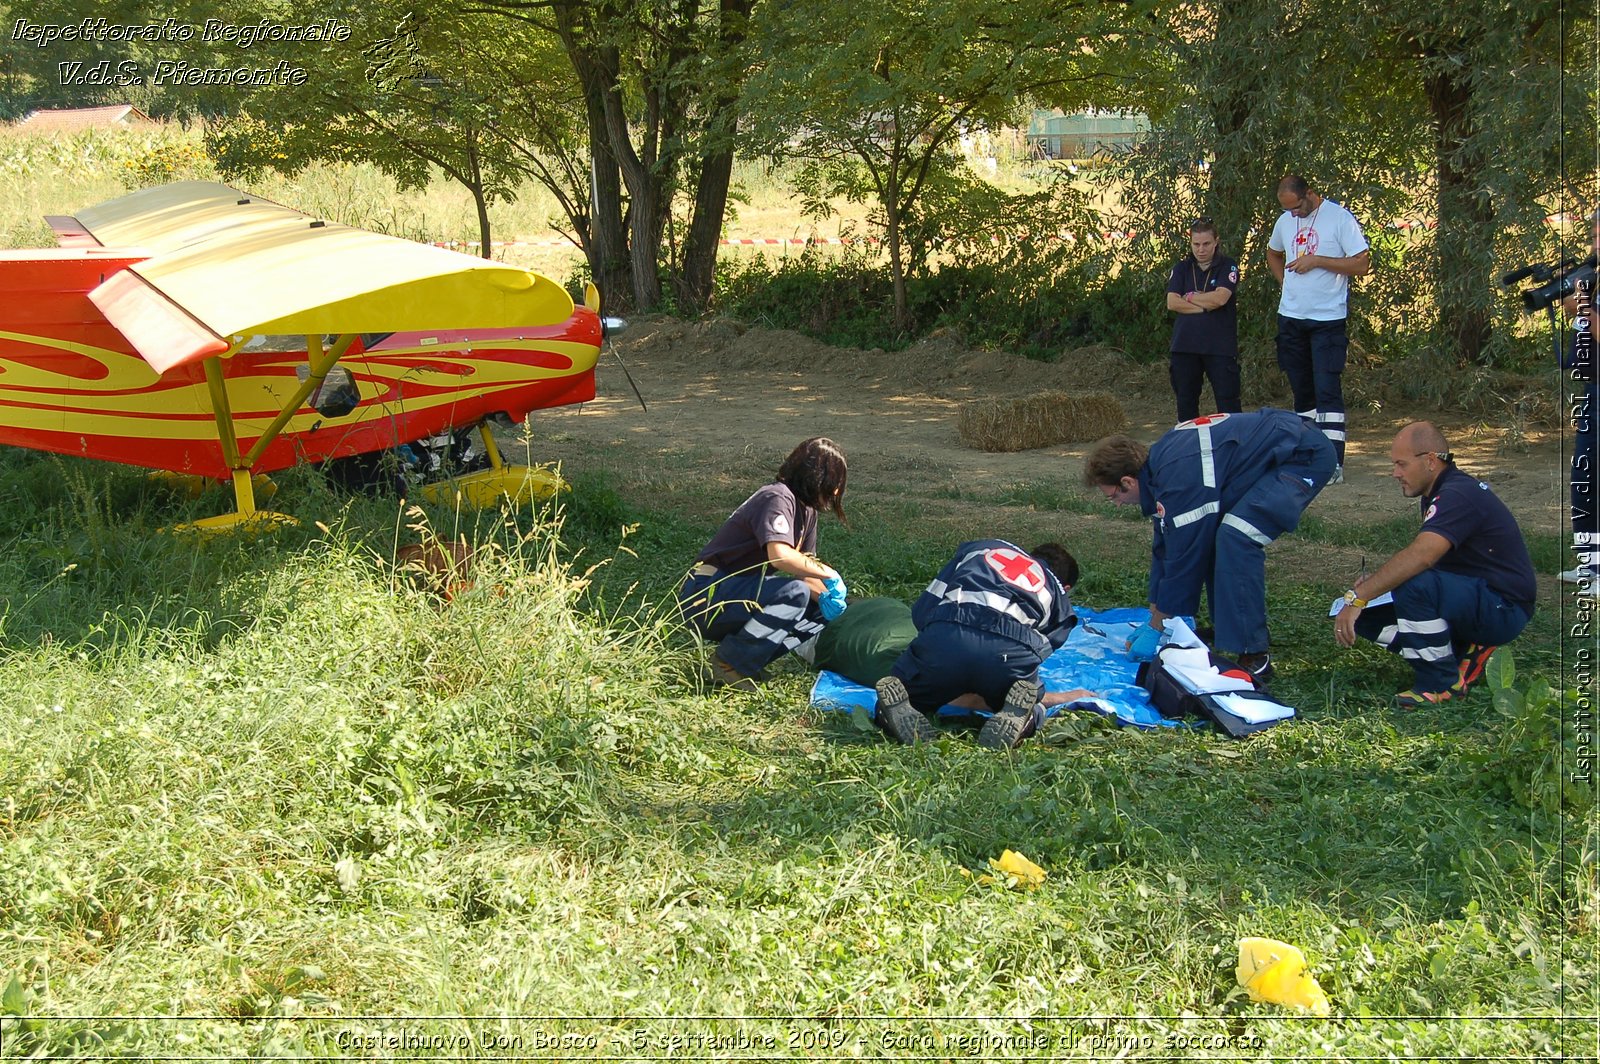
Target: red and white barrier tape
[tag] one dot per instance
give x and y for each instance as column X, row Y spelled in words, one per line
column 772, row 241
column 1433, row 223
column 1115, row 234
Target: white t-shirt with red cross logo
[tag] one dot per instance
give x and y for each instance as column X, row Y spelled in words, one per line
column 1331, row 231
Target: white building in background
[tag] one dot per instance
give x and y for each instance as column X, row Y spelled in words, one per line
column 72, row 119
column 1054, row 134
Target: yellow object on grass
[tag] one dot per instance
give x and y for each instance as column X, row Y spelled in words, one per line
column 1275, row 972
column 254, row 522
column 489, row 487
column 1019, row 871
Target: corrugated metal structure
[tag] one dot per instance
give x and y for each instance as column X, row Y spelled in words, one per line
column 72, row 119
column 1054, row 135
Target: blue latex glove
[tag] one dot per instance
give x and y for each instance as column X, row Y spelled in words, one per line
column 1143, row 645
column 831, row 600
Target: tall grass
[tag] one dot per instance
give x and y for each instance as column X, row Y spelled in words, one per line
column 56, row 174
column 325, row 795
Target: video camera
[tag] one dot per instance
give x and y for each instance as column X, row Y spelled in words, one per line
column 1551, row 287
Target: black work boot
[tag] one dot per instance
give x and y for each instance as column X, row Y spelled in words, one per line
column 897, row 716
column 1019, row 718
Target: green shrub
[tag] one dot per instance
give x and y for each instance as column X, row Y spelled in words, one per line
column 846, row 299
column 1536, row 754
column 1032, row 298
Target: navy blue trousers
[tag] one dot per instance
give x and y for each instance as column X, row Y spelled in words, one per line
column 1312, row 355
column 753, row 617
column 1187, row 372
column 1432, row 619
column 946, row 661
column 1238, row 583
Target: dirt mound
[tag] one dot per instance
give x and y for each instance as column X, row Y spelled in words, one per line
column 739, row 397
column 940, row 365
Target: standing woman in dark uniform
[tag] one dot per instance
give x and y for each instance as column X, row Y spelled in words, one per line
column 755, row 586
column 1205, row 333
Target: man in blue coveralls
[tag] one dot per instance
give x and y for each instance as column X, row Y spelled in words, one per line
column 1462, row 587
column 1219, row 489
column 985, row 625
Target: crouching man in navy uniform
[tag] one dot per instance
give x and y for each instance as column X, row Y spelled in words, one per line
column 985, row 625
column 1219, row 489
column 1464, row 586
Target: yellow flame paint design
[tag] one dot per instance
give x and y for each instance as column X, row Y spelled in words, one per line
column 180, row 409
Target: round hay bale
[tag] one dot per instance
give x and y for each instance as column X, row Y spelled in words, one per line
column 1039, row 421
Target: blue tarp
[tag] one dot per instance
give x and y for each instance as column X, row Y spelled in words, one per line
column 1094, row 658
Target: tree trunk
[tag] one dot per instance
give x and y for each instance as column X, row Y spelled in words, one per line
column 607, row 243
column 646, row 218
column 897, row 269
column 1465, row 234
column 694, row 287
column 480, row 201
column 645, row 227
column 666, row 100
column 485, row 245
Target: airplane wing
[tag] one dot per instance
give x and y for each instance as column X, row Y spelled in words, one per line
column 69, row 234
column 227, row 264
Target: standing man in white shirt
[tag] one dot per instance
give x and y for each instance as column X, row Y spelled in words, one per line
column 1315, row 248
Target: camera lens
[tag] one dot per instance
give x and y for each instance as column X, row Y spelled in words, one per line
column 1560, row 288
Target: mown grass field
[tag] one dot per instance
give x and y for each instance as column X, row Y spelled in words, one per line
column 265, row 797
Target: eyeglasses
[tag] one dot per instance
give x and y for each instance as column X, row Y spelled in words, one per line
column 1116, row 493
column 1201, row 221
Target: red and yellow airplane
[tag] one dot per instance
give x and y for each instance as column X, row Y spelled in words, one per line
column 206, row 331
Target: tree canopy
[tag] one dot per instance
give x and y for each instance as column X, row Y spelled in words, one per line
column 1403, row 115
column 878, row 112
column 1475, row 126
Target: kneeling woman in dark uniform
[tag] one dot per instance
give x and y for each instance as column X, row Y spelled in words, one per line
column 754, row 588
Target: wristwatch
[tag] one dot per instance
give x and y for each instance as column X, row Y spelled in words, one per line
column 1351, row 599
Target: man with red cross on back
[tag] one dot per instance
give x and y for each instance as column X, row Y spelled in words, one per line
column 1218, row 489
column 985, row 625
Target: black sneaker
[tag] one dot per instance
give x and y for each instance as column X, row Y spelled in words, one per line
column 1019, row 718
column 897, row 716
column 1257, row 665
